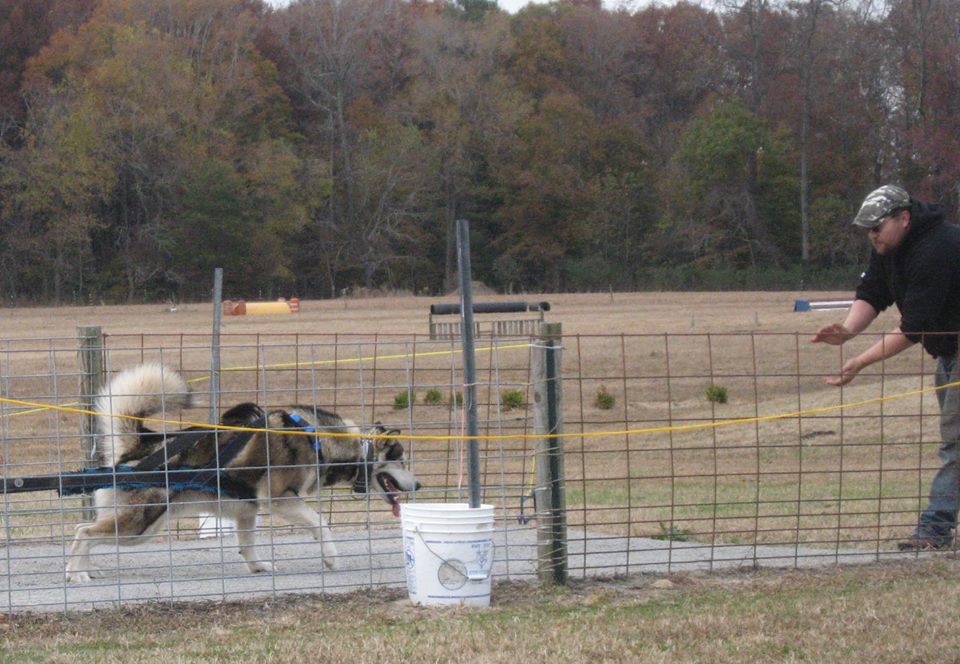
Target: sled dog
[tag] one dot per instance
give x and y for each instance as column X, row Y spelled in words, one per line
column 285, row 455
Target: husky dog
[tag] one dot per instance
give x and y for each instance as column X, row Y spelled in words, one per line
column 271, row 470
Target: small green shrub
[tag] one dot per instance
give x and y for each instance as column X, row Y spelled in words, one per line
column 402, row 400
column 456, row 399
column 604, row 400
column 673, row 533
column 512, row 399
column 433, row 396
column 717, row 394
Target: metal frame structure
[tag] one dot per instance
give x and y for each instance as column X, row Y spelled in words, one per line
column 663, row 475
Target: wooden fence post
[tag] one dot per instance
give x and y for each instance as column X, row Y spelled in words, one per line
column 91, row 380
column 548, row 421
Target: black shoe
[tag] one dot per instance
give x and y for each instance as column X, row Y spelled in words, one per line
column 925, row 543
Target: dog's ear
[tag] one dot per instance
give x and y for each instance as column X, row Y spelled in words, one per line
column 393, row 450
column 241, row 414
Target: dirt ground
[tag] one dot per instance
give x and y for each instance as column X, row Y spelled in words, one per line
column 654, row 352
column 757, row 616
column 589, row 314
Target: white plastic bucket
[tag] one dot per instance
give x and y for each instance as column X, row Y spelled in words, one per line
column 448, row 553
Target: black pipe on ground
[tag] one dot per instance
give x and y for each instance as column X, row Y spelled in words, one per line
column 490, row 307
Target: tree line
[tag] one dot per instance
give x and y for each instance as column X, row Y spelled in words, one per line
column 330, row 145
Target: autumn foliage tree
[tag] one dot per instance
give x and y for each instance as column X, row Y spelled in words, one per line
column 164, row 113
column 327, row 146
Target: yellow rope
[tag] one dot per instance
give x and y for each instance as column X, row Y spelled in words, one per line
column 293, row 365
column 370, row 358
column 519, row 436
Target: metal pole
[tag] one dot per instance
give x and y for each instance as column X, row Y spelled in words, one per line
column 550, row 490
column 91, row 380
column 469, row 360
column 215, row 343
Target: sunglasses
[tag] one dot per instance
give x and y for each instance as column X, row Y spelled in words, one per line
column 876, row 227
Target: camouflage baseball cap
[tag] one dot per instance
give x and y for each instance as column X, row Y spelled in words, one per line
column 880, row 203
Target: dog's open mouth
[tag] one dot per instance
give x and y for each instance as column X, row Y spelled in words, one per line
column 391, row 492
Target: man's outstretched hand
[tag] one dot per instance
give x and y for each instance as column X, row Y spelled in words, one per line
column 834, row 334
column 848, row 372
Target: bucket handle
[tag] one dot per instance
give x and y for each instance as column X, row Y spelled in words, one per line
column 482, row 576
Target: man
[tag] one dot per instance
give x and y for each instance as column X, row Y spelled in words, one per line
column 915, row 263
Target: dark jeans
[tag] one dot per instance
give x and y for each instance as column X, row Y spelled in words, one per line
column 940, row 517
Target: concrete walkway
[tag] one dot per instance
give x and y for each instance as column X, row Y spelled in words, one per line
column 32, row 579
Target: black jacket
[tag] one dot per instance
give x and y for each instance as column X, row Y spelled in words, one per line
column 923, row 278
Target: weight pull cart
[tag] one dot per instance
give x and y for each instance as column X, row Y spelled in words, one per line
column 154, row 471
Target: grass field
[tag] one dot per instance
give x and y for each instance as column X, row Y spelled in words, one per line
column 879, row 614
column 656, row 353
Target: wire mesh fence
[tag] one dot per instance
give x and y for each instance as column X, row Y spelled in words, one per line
column 681, row 451
column 729, row 449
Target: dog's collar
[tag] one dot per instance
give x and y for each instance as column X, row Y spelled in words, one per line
column 361, row 483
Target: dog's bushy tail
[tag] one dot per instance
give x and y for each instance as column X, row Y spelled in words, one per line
column 142, row 391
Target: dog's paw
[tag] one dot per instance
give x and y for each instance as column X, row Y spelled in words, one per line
column 78, row 576
column 330, row 562
column 261, row 567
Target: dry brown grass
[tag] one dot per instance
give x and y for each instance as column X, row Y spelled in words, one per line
column 587, row 314
column 769, row 481
column 656, row 353
column 889, row 613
